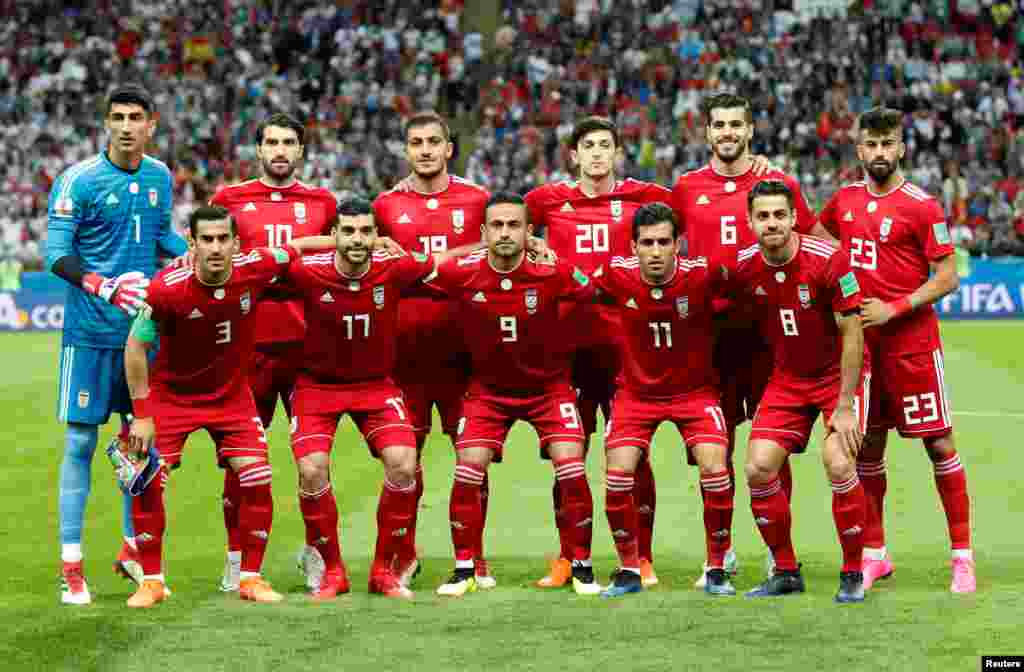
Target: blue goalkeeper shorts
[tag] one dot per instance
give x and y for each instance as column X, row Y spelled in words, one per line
column 91, row 385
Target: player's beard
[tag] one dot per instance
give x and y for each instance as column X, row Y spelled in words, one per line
column 735, row 155
column 272, row 171
column 507, row 251
column 879, row 173
column 427, row 175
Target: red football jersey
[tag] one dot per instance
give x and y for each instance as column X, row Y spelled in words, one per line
column 270, row 216
column 429, row 223
column 588, row 231
column 797, row 302
column 891, row 239
column 510, row 320
column 206, row 333
column 351, row 322
column 667, row 335
column 712, row 210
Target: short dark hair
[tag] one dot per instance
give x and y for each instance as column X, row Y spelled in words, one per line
column 131, row 94
column 354, row 206
column 502, row 197
column 591, row 124
column 426, row 118
column 207, row 213
column 654, row 213
column 770, row 188
column 281, row 120
column 725, row 101
column 881, row 120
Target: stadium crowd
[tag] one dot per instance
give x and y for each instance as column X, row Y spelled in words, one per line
column 355, row 69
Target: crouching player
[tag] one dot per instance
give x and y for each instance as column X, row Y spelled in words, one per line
column 666, row 310
column 808, row 302
column 203, row 319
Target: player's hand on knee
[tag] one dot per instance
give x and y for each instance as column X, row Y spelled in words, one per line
column 847, row 429
column 127, row 291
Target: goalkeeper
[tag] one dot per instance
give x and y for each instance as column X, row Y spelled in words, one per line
column 109, row 219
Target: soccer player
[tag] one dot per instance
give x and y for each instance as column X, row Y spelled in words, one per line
column 587, row 223
column 109, row 219
column 896, row 236
column 269, row 212
column 665, row 304
column 204, row 319
column 509, row 311
column 808, row 301
column 432, row 212
column 711, row 204
column 351, row 299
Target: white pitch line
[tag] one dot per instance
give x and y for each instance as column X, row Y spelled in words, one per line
column 989, row 414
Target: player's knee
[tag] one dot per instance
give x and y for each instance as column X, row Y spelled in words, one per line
column 939, row 447
column 313, row 475
column 710, row 459
column 759, row 471
column 839, row 466
column 623, row 459
column 400, row 468
column 80, row 442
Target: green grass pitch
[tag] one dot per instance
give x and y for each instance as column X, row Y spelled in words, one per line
column 908, row 622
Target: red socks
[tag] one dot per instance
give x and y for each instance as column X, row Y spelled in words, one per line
column 150, row 520
column 718, row 507
column 772, row 515
column 465, row 510
column 320, row 513
column 564, row 535
column 848, row 505
column 577, row 505
column 951, row 482
column 873, row 478
column 230, row 502
column 620, row 508
column 646, row 502
column 485, row 496
column 396, row 513
column 255, row 514
column 786, row 479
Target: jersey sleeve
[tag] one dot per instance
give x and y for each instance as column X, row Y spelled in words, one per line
column 805, row 217
column 576, row 285
column 67, row 210
column 841, row 282
column 933, row 232
column 449, row 276
column 168, row 241
column 676, row 199
column 160, row 300
column 267, row 263
column 655, row 193
column 829, row 216
column 536, row 210
column 413, row 267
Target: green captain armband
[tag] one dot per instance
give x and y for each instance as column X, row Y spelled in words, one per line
column 144, row 327
column 280, row 255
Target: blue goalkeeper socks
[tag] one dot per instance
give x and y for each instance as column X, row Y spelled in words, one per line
column 75, row 480
column 127, row 527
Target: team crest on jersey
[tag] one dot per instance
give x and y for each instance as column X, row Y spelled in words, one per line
column 83, row 398
column 378, row 296
column 531, row 301
column 885, row 229
column 458, row 221
column 804, row 293
column 616, row 210
column 683, row 306
column 154, row 198
column 300, row 211
column 245, row 302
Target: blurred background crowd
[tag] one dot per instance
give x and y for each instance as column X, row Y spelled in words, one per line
column 513, row 76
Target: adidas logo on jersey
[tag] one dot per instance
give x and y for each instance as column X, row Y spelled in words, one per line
column 567, row 208
column 326, row 298
column 405, row 219
column 703, row 200
column 112, row 200
column 479, row 297
column 195, row 314
column 848, row 217
column 632, row 304
column 760, row 291
column 249, row 207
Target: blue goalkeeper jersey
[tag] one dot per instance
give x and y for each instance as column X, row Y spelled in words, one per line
column 115, row 221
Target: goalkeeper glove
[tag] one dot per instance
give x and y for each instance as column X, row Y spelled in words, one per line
column 133, row 474
column 127, row 291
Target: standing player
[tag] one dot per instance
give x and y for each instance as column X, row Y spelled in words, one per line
column 896, row 234
column 808, row 302
column 270, row 212
column 204, row 320
column 509, row 312
column 432, row 212
column 711, row 204
column 351, row 299
column 587, row 223
column 666, row 310
column 109, row 219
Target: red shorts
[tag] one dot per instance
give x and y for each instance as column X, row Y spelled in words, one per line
column 233, row 424
column 489, row 416
column 909, row 394
column 744, row 361
column 789, row 408
column 377, row 407
column 696, row 415
column 272, row 374
column 596, row 360
column 446, row 389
